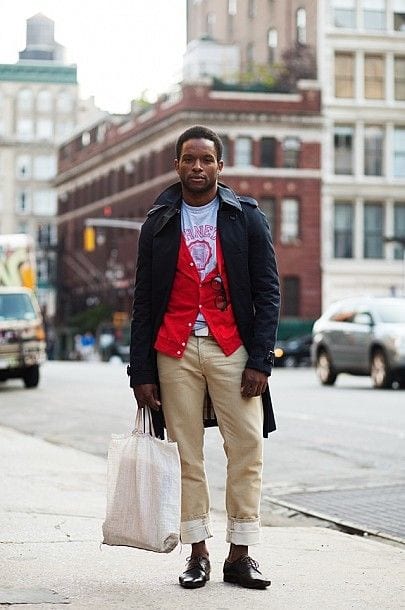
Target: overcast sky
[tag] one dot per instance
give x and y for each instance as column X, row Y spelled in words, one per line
column 122, row 48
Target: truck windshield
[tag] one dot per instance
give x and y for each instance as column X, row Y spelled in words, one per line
column 392, row 311
column 16, row 307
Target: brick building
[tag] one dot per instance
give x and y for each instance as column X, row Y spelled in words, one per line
column 116, row 169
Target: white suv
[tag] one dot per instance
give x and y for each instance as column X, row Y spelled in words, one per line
column 361, row 336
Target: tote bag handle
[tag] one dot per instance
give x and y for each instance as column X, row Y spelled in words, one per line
column 144, row 422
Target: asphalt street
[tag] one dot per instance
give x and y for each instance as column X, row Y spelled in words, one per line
column 344, row 439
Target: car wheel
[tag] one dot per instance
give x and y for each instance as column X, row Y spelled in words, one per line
column 290, row 361
column 324, row 369
column 31, row 376
column 380, row 371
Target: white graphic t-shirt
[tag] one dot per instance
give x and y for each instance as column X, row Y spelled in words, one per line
column 199, row 228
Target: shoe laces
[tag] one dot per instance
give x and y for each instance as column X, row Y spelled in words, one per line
column 193, row 562
column 250, row 562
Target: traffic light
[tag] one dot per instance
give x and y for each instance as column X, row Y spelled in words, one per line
column 89, row 239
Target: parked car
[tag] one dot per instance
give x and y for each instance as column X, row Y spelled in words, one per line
column 361, row 336
column 22, row 336
column 293, row 352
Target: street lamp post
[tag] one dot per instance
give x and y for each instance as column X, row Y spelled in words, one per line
column 401, row 242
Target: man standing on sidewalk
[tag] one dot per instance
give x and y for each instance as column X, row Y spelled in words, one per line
column 204, row 324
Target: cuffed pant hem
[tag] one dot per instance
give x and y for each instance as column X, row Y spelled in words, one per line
column 195, row 530
column 245, row 533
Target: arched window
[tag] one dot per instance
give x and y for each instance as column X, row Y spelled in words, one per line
column 301, row 25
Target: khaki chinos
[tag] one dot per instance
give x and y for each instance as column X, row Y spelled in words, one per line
column 183, row 384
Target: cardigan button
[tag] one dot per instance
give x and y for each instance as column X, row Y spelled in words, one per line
column 178, row 352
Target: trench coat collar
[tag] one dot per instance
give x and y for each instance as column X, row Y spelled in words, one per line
column 171, row 197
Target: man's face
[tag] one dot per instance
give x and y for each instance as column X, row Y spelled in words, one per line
column 198, row 167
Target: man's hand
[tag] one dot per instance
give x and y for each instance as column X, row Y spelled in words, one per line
column 146, row 395
column 254, row 383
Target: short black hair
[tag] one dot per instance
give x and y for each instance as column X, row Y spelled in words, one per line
column 197, row 132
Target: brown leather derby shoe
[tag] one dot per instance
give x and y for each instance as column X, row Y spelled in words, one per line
column 245, row 572
column 196, row 574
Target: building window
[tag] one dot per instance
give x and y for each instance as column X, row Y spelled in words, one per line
column 399, row 228
column 290, row 296
column 343, row 147
column 268, row 206
column 344, row 13
column 399, row 71
column 272, row 41
column 252, row 9
column 64, row 129
column 25, row 99
column 301, row 26
column 291, row 152
column 232, row 7
column 25, row 128
column 373, row 230
column 243, row 151
column 210, row 24
column 343, row 230
column 23, row 167
column 399, row 15
column 45, row 129
column 23, row 203
column 289, row 222
column 268, row 148
column 344, row 75
column 44, row 167
column 374, row 14
column 85, row 138
column 22, row 227
column 101, row 132
column 44, row 101
column 399, row 152
column 374, row 77
column 225, row 150
column 44, row 203
column 373, row 150
column 65, row 102
column 46, row 235
column 250, row 56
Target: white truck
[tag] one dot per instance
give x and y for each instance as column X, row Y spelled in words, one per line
column 22, row 335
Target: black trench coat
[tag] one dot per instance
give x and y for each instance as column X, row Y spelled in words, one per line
column 253, row 284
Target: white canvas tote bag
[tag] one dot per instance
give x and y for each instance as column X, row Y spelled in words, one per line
column 143, row 490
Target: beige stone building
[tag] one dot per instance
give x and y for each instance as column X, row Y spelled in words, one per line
column 39, row 108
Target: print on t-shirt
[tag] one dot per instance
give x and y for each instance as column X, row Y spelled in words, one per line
column 201, row 253
column 200, row 232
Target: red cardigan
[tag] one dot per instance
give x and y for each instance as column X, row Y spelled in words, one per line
column 190, row 295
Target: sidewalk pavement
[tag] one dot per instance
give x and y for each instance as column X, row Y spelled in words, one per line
column 52, row 506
